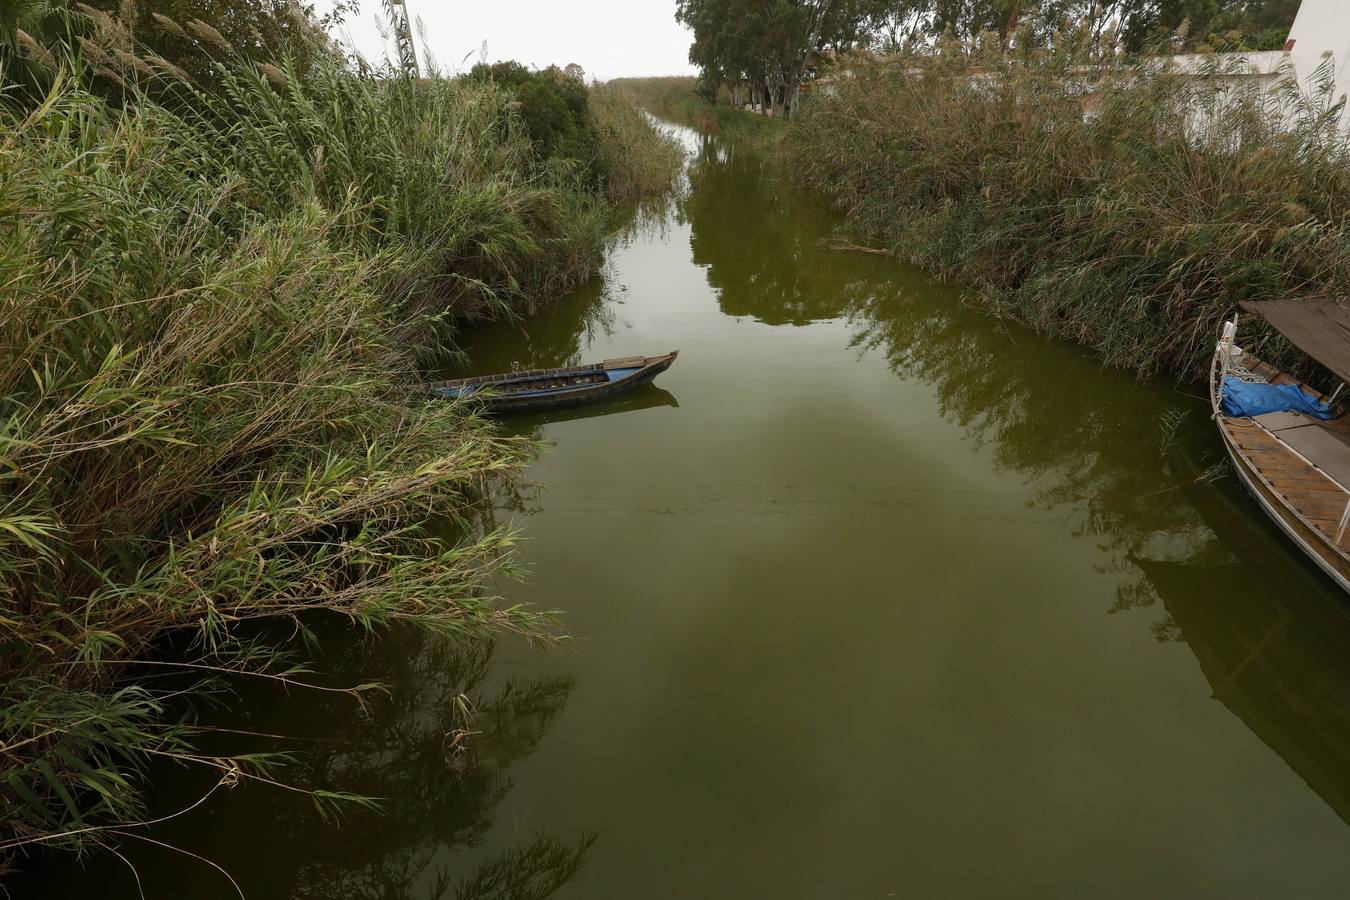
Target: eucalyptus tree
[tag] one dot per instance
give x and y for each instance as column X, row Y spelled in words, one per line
column 772, row 44
column 1256, row 24
column 1245, row 24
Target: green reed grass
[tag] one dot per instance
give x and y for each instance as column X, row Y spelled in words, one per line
column 1133, row 229
column 213, row 312
column 639, row 160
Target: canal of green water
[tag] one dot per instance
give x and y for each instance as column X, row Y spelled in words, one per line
column 871, row 596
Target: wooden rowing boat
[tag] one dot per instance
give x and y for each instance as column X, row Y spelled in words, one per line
column 555, row 388
column 1294, row 463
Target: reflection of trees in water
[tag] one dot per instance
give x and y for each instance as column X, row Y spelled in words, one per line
column 759, row 240
column 1090, row 444
column 1083, row 443
column 532, row 872
column 551, row 339
column 651, row 219
column 558, row 334
column 1268, row 635
column 436, row 751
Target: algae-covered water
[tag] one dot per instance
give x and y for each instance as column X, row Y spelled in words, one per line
column 871, row 596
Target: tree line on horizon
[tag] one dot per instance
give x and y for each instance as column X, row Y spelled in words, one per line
column 762, row 50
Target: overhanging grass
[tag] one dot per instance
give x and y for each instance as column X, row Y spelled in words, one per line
column 213, row 314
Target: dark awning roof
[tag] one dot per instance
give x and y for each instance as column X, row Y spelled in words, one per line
column 1320, row 328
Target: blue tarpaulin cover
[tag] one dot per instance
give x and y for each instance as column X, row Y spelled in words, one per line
column 1241, row 398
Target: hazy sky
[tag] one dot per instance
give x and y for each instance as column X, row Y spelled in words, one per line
column 607, row 38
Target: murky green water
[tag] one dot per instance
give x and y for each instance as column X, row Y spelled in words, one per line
column 872, row 597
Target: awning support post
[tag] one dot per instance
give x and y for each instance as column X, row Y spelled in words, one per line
column 1345, row 520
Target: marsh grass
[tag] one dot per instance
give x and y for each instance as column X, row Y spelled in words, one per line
column 215, row 309
column 638, row 159
column 676, row 99
column 1132, row 230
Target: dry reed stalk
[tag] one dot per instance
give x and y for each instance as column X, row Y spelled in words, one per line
column 164, row 65
column 131, row 61
column 35, row 51
column 210, row 35
column 169, row 26
column 273, row 74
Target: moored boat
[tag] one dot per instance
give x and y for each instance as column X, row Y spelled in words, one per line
column 1289, row 444
column 554, row 388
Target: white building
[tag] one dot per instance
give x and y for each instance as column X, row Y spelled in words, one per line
column 1318, row 49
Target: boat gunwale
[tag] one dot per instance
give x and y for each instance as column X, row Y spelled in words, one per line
column 533, row 374
column 523, row 375
column 640, row 369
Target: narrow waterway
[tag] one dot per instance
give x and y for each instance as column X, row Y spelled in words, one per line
column 871, row 596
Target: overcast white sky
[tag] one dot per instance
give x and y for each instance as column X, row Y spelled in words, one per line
column 607, row 38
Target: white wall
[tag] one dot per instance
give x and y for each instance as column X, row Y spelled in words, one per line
column 1321, row 28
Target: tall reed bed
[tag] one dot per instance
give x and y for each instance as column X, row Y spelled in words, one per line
column 677, row 99
column 210, row 422
column 638, row 159
column 1116, row 204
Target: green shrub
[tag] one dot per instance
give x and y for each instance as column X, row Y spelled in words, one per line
column 555, row 109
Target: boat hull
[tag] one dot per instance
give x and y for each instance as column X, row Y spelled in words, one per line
column 1307, row 539
column 493, row 394
column 1299, row 496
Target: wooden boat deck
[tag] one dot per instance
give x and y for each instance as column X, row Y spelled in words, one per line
column 1304, row 487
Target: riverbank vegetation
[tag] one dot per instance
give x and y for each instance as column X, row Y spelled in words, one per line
column 680, row 99
column 636, row 164
column 220, row 290
column 1132, row 228
column 1052, row 160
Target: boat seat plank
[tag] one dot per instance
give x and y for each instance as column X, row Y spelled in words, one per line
column 1293, row 484
column 1280, row 421
column 1323, row 448
column 1263, row 369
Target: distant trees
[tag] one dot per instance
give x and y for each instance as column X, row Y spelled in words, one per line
column 768, row 46
column 761, row 50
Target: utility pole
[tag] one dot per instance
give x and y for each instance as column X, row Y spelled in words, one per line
column 403, row 39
